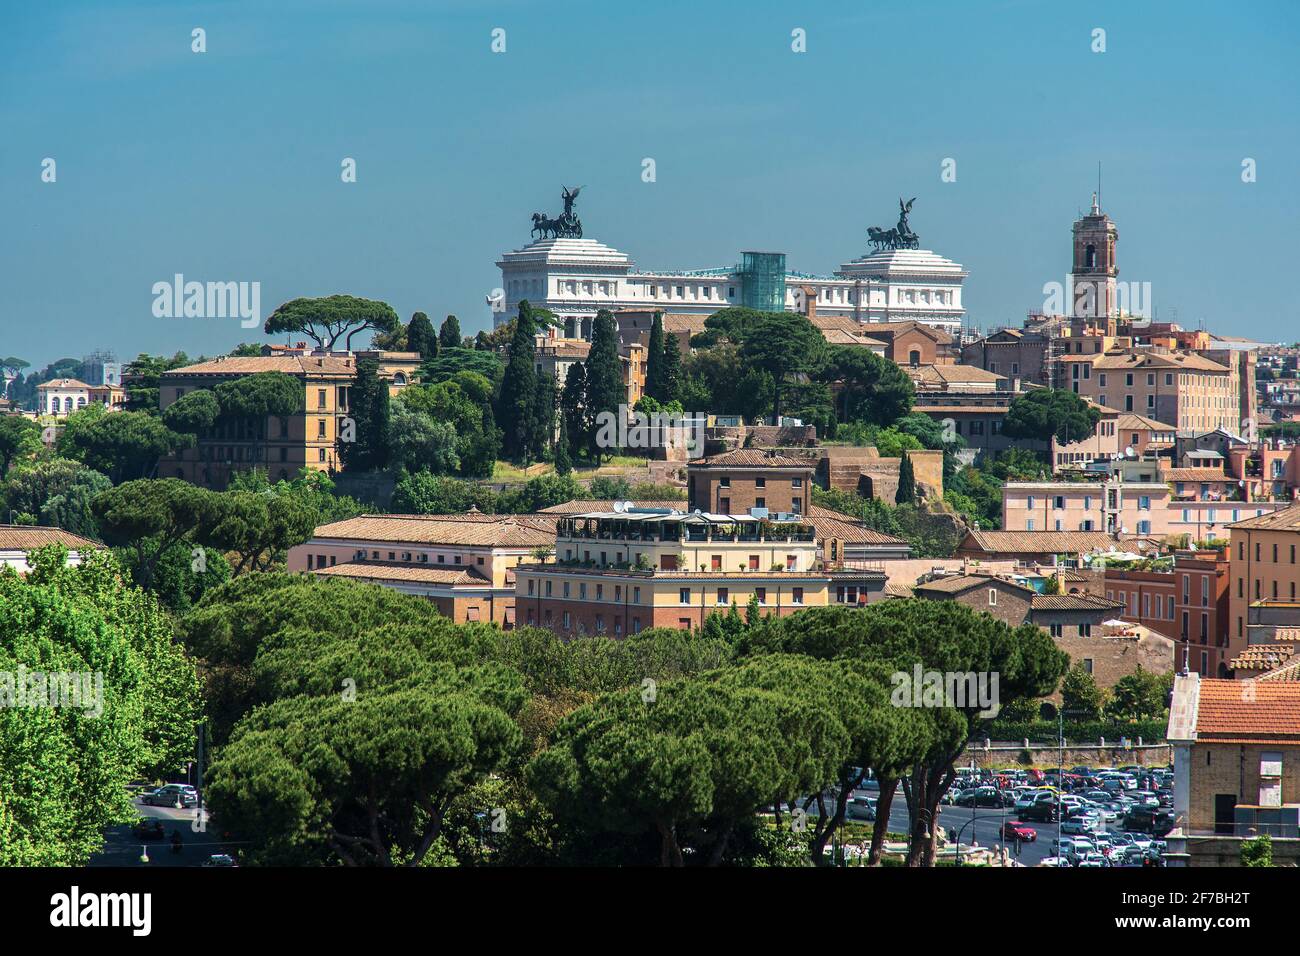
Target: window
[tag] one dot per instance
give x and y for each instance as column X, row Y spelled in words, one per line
column 1055, row 630
column 760, row 482
column 684, row 595
column 796, row 595
column 1029, row 525
column 320, row 398
column 1270, row 778
column 1029, row 502
column 993, row 597
column 722, row 596
column 566, row 620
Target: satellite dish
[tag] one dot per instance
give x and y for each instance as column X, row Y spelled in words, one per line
column 1128, row 451
column 620, row 507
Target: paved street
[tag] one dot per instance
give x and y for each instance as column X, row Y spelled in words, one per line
column 122, row 847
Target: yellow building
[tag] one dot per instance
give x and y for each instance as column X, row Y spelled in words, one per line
column 620, row 572
column 280, row 445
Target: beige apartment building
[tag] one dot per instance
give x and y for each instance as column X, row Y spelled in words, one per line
column 463, row 563
column 1182, row 389
column 620, row 572
column 1115, row 507
column 279, row 445
column 1265, row 555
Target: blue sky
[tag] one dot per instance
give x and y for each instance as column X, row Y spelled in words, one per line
column 225, row 165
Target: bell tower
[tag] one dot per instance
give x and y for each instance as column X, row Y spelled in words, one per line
column 1095, row 271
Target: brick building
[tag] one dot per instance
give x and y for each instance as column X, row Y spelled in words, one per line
column 1236, row 769
column 1265, row 556
column 736, row 481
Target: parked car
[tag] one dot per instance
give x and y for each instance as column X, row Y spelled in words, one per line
column 862, row 808
column 1015, row 830
column 178, row 795
column 220, row 859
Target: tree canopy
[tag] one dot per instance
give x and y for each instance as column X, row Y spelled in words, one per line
column 325, row 320
column 1046, row 412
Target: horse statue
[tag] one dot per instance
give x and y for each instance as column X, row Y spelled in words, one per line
column 881, row 238
column 567, row 226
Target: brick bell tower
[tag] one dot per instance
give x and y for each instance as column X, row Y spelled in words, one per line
column 1095, row 270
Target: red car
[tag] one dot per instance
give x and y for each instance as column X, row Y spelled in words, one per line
column 1015, row 830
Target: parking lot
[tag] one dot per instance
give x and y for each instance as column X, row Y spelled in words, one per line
column 1102, row 817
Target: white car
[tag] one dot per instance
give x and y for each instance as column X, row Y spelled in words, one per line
column 1053, row 861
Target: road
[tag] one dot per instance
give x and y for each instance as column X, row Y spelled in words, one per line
column 122, row 847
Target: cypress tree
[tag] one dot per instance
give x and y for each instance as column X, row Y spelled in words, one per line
column 604, row 392
column 368, row 408
column 672, row 371
column 563, row 464
column 906, row 482
column 421, row 338
column 654, row 364
column 573, row 414
column 517, row 403
column 449, row 334
column 543, row 416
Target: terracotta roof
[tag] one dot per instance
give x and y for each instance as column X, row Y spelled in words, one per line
column 1195, row 474
column 1040, row 542
column 25, row 537
column 961, row 583
column 833, row 524
column 1136, row 360
column 414, row 573
column 892, row 328
column 1262, row 657
column 583, row 505
column 466, row 530
column 683, row 322
column 947, row 374
column 1248, row 710
column 63, row 383
column 1129, row 421
column 251, row 365
column 748, row 458
column 1288, row 519
column 897, row 590
column 1074, row 602
column 1290, row 671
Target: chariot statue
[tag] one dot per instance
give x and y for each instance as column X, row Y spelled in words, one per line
column 566, row 226
column 901, row 236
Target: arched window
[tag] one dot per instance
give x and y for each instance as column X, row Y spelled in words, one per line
column 914, row 357
column 399, row 378
column 1090, row 256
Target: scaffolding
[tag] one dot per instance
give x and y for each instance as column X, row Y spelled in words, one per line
column 762, row 280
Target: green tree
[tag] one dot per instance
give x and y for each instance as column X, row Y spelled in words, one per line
column 194, row 412
column 573, row 410
column 424, row 494
column 19, row 438
column 906, row 494
column 671, row 375
column 604, row 391
column 258, row 529
column 1080, row 696
column 872, row 389
column 422, row 442
column 654, row 364
column 142, row 378
column 516, row 411
column 563, row 464
column 1139, row 695
column 421, row 338
column 149, row 516
column 449, row 334
column 1046, row 412
column 57, row 493
column 325, row 320
column 1257, row 851
column 451, row 361
column 368, row 405
column 782, row 344
column 125, row 445
column 64, row 770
